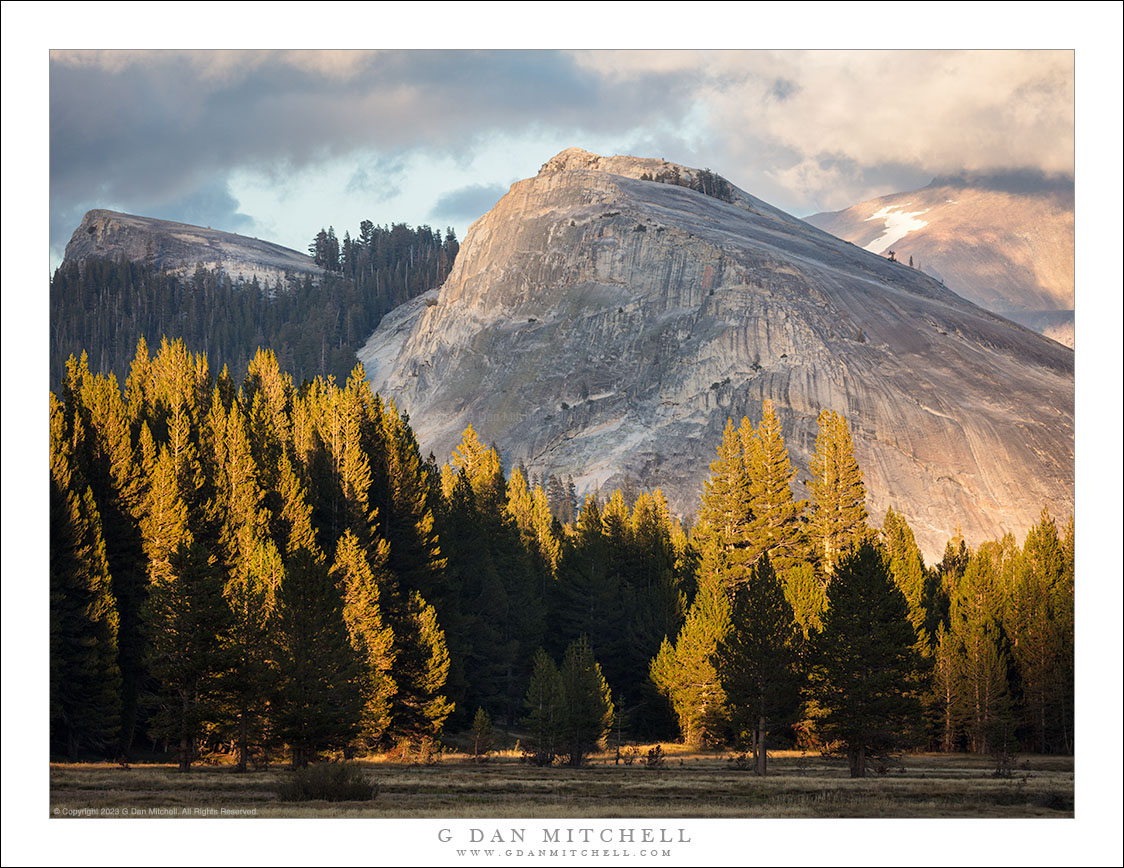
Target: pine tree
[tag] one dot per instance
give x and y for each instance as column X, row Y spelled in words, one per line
column 837, row 520
column 587, row 703
column 422, row 670
column 775, row 527
column 864, row 676
column 908, row 570
column 477, row 604
column 531, row 513
column 1041, row 630
column 757, row 660
column 500, row 616
column 544, row 705
column 944, row 689
column 372, row 637
column 118, row 485
column 318, row 702
column 685, row 673
column 251, row 593
column 726, row 514
column 586, row 595
column 186, row 621
column 85, row 682
column 654, row 602
column 404, row 499
column 981, row 701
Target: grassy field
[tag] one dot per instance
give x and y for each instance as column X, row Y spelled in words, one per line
column 689, row 784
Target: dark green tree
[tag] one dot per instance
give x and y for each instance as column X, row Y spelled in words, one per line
column 421, row 706
column 251, row 593
column 587, row 706
column 864, row 678
column 319, row 700
column 758, row 660
column 186, row 621
column 544, row 706
column 85, row 702
column 587, row 593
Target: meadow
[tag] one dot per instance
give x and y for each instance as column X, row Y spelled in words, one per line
column 687, row 784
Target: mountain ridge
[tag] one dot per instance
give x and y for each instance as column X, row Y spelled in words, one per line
column 180, row 247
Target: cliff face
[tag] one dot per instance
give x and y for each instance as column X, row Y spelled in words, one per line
column 1009, row 250
column 603, row 326
column 181, row 247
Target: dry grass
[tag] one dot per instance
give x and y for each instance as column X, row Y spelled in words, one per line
column 690, row 784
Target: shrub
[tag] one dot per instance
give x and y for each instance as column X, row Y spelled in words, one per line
column 329, row 782
column 655, row 758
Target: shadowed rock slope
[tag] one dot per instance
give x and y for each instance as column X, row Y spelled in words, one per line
column 181, row 247
column 604, row 326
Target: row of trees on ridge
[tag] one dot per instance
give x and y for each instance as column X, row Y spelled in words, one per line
column 315, row 323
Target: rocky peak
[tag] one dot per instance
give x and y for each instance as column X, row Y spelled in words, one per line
column 606, row 327
column 165, row 244
column 575, row 159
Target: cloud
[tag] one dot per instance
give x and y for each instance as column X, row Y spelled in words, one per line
column 137, row 127
column 811, row 125
column 208, row 205
column 141, row 119
column 380, row 177
column 469, row 202
column 140, row 129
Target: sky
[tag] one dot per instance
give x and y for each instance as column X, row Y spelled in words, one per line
column 278, row 144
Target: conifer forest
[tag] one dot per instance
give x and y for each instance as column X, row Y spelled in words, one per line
column 264, row 567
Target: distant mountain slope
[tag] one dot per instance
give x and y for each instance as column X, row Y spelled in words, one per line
column 172, row 246
column 125, row 277
column 1005, row 244
column 604, row 326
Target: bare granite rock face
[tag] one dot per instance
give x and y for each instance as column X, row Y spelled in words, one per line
column 181, row 247
column 603, row 326
column 1007, row 247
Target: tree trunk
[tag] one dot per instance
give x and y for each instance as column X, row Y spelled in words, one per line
column 243, row 736
column 856, row 757
column 185, row 738
column 72, row 746
column 762, row 755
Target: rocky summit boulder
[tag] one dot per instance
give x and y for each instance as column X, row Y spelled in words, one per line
column 607, row 317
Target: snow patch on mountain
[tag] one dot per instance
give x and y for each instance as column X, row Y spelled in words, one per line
column 898, row 225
